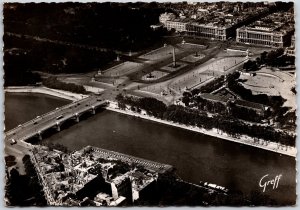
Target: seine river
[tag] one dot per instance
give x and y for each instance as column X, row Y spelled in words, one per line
column 196, row 157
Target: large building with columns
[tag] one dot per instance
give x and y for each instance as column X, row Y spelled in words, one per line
column 211, row 31
column 263, row 36
column 177, row 24
column 274, row 30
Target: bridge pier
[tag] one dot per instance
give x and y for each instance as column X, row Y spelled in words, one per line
column 76, row 116
column 93, row 110
column 40, row 135
column 57, row 126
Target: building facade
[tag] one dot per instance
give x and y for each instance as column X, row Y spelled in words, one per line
column 176, row 24
column 262, row 36
column 293, row 41
column 291, row 50
column 207, row 31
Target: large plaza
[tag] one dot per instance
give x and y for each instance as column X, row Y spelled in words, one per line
column 197, row 76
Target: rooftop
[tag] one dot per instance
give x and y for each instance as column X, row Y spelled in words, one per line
column 66, row 174
column 249, row 104
column 217, row 15
column 218, row 98
column 276, row 22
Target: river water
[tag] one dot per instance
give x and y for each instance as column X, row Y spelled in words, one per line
column 22, row 107
column 196, row 157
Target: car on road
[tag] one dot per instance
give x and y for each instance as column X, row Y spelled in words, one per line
column 12, row 142
column 35, row 123
column 59, row 117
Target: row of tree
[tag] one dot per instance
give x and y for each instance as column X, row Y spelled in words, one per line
column 17, row 70
column 274, row 58
column 194, row 117
column 53, row 82
column 209, row 87
column 56, row 146
column 55, row 57
column 24, row 190
column 113, row 25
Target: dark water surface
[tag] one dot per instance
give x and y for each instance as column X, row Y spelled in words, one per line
column 22, row 107
column 197, row 157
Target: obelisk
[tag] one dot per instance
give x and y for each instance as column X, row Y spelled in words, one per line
column 174, row 58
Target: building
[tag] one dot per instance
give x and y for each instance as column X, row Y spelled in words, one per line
column 262, row 36
column 215, row 98
column 177, row 24
column 208, row 31
column 293, row 41
column 169, row 21
column 230, row 98
column 166, row 16
column 258, row 108
column 77, row 177
column 220, row 22
column 291, row 50
column 274, row 30
column 121, row 186
column 143, row 185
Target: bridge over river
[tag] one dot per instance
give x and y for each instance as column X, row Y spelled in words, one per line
column 54, row 119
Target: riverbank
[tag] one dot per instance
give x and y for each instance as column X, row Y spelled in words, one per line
column 44, row 90
column 243, row 139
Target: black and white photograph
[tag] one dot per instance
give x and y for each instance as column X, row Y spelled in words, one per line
column 149, row 104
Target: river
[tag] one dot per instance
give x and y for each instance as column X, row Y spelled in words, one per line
column 197, row 157
column 22, row 107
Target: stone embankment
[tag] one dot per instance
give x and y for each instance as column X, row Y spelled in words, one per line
column 44, row 90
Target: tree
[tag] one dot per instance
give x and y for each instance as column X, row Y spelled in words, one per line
column 121, row 105
column 263, row 57
column 53, row 82
column 250, row 65
column 119, row 97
